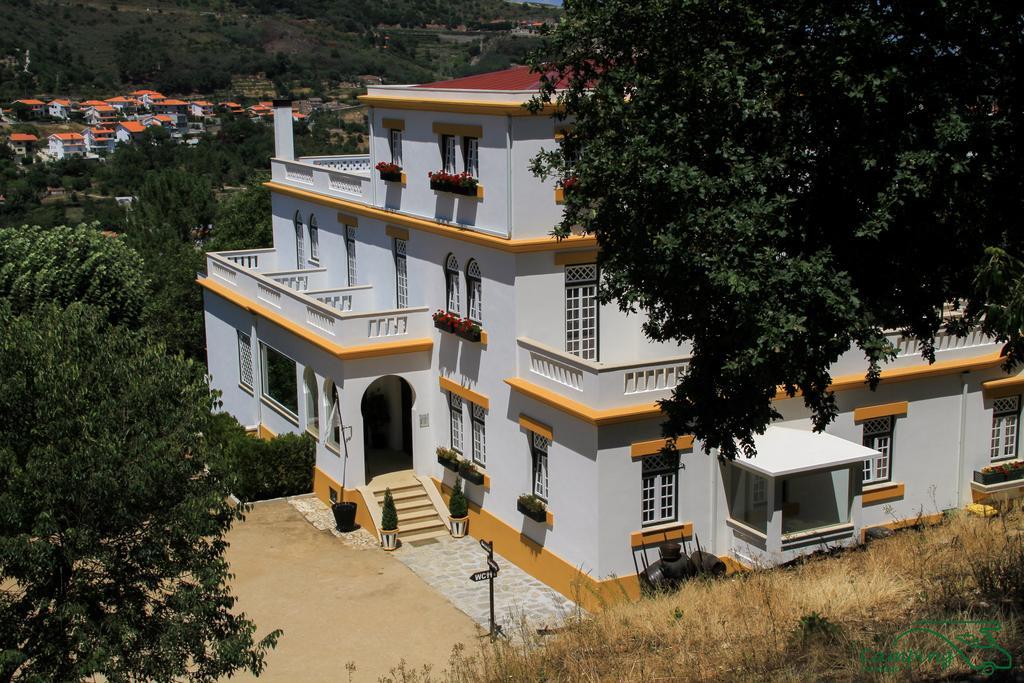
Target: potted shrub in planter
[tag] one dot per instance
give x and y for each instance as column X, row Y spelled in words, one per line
column 456, row 183
column 470, row 473
column 458, row 511
column 388, row 522
column 451, row 322
column 448, row 458
column 992, row 474
column 533, row 507
column 389, row 171
column 344, row 515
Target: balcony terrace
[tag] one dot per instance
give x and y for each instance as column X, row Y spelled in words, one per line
column 344, row 176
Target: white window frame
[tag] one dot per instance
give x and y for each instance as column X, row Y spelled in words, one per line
column 265, row 381
column 455, row 422
column 299, row 247
column 1005, row 428
column 350, row 255
column 312, row 399
column 314, row 240
column 448, row 155
column 401, row 274
column 878, row 434
column 451, row 284
column 395, row 143
column 332, row 411
column 539, row 466
column 471, row 156
column 246, row 373
column 659, row 489
column 474, row 292
column 478, row 414
column 581, row 310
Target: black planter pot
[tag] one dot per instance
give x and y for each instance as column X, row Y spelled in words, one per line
column 391, row 177
column 344, row 516
column 989, row 477
column 445, row 462
column 1015, row 474
column 454, row 189
column 472, row 476
column 471, row 335
column 536, row 515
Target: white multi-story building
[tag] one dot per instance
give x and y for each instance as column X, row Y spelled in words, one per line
column 331, row 332
column 66, row 145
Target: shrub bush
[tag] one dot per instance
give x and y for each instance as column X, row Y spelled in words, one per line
column 388, row 515
column 458, row 506
column 257, row 469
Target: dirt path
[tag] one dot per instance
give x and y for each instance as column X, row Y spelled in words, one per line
column 336, row 604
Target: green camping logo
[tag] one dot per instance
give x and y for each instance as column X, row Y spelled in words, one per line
column 939, row 644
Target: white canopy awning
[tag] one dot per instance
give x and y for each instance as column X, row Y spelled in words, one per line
column 783, row 450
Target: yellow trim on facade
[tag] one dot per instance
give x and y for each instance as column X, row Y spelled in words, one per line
column 947, row 367
column 485, row 107
column 396, row 232
column 393, row 124
column 559, row 195
column 884, row 410
column 343, row 352
column 571, row 258
column 642, row 449
column 348, row 219
column 1001, row 388
column 263, row 432
column 468, row 394
column 465, row 130
column 583, row 412
column 660, row 534
column 531, row 425
column 881, row 494
column 520, row 246
column 923, row 520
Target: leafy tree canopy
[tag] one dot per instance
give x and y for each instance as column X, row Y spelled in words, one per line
column 111, row 529
column 777, row 183
column 243, row 220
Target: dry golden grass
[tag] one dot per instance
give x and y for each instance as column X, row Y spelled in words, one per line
column 749, row 626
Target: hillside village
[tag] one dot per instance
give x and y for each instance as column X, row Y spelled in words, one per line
column 123, row 119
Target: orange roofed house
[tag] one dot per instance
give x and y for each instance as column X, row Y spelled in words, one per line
column 66, row 145
column 22, row 144
column 128, row 131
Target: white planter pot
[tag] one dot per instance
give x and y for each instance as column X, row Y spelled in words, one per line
column 458, row 526
column 389, row 539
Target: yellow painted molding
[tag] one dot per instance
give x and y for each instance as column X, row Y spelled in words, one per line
column 485, row 107
column 572, row 258
column 923, row 520
column 396, row 232
column 348, row 219
column 642, row 449
column 661, row 534
column 583, row 412
column 483, row 337
column 343, row 352
column 531, row 425
column 559, row 195
column 479, row 192
column 549, row 518
column 884, row 410
column 468, row 394
column 465, row 130
column 881, row 494
column 263, row 432
column 322, row 483
column 1001, row 388
column 521, row 246
column 393, row 124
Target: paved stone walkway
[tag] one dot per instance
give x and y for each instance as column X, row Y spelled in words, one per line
column 518, row 597
column 445, row 564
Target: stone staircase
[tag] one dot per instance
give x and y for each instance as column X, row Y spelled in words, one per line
column 418, row 518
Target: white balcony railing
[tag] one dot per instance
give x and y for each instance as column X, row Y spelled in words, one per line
column 598, row 385
column 305, row 309
column 254, row 259
column 322, row 178
column 300, row 280
column 344, row 298
column 358, row 164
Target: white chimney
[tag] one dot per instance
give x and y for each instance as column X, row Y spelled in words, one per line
column 284, row 145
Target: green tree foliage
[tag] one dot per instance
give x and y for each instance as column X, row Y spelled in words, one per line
column 177, row 199
column 388, row 513
column 111, row 529
column 777, row 183
column 458, row 506
column 243, row 220
column 66, row 264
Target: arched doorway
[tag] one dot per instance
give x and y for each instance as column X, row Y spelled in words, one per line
column 387, row 426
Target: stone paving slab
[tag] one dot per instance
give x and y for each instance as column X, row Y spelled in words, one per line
column 321, row 517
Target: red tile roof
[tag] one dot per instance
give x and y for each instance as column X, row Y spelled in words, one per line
column 93, row 103
column 164, row 118
column 68, row 137
column 63, row 103
column 132, row 126
column 23, row 137
column 140, row 93
column 203, row 103
column 173, row 103
column 31, row 103
column 515, row 78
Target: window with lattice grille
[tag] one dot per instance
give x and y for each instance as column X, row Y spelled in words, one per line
column 1005, row 419
column 314, row 240
column 474, row 292
column 581, row 310
column 455, row 412
column 471, row 156
column 299, row 240
column 451, row 280
column 401, row 275
column 350, row 254
column 540, row 466
column 245, row 373
column 448, row 153
column 479, row 435
column 658, row 490
column 878, row 433
column 395, row 142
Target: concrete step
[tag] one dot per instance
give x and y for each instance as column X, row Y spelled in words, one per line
column 416, row 515
column 410, row 485
column 413, row 504
column 403, row 495
column 422, row 535
column 426, row 525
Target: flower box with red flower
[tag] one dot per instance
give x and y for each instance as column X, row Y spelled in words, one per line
column 456, row 183
column 389, row 171
column 457, row 325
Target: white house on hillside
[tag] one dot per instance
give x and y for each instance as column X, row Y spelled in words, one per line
column 59, row 109
column 66, row 145
column 396, row 314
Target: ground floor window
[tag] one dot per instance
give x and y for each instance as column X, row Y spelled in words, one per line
column 748, row 499
column 280, row 382
column 658, row 491
column 455, row 414
column 1005, row 414
column 479, row 435
column 815, row 499
column 540, row 466
column 878, row 435
column 244, row 360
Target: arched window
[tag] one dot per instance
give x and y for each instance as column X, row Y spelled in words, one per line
column 474, row 292
column 451, row 279
column 299, row 250
column 312, row 401
column 314, row 240
column 332, row 413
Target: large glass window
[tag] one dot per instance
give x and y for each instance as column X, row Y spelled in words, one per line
column 401, row 275
column 474, row 292
column 748, row 498
column 350, row 254
column 451, row 281
column 471, row 156
column 299, row 249
column 540, row 466
column 479, row 435
column 395, row 143
column 245, row 375
column 658, row 491
column 455, row 421
column 581, row 310
column 1005, row 415
column 314, row 240
column 312, row 401
column 878, row 435
column 280, row 381
column 815, row 500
